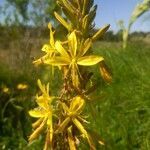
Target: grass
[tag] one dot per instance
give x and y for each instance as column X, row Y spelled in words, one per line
column 123, row 114
column 122, row 110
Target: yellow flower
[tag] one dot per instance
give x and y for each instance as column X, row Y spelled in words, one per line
column 49, row 49
column 43, row 112
column 72, row 114
column 6, row 90
column 21, row 86
column 74, row 57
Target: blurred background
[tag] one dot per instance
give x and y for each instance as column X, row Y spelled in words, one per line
column 122, row 111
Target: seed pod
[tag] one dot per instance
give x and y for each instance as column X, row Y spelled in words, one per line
column 105, row 72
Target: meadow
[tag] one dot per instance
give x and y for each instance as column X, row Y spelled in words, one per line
column 119, row 113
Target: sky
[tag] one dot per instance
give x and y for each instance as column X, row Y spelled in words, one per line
column 111, row 11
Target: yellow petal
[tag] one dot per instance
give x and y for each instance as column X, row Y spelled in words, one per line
column 50, row 124
column 49, row 120
column 47, row 48
column 58, row 61
column 77, row 104
column 71, row 140
column 63, row 125
column 65, row 107
column 49, row 25
column 49, row 137
column 80, row 4
column 72, row 39
column 43, row 101
column 101, row 142
column 85, row 6
column 86, row 47
column 42, row 87
column 74, row 75
column 84, row 132
column 61, row 50
column 62, row 21
column 36, row 133
column 83, row 120
column 68, row 5
column 47, row 88
column 40, row 60
column 46, row 145
column 38, row 112
column 52, row 42
column 89, row 60
column 37, row 123
column 80, row 127
column 51, row 134
column 100, row 32
column 85, row 22
column 21, row 86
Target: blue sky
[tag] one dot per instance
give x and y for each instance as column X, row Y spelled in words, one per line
column 110, row 11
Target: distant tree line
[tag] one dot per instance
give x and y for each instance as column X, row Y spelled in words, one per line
column 29, row 18
column 12, row 33
column 111, row 36
column 28, row 12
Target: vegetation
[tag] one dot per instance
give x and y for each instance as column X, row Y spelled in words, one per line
column 138, row 11
column 119, row 114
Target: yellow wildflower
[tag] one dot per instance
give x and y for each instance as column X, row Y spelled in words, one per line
column 49, row 49
column 43, row 112
column 21, row 86
column 5, row 90
column 73, row 115
column 74, row 57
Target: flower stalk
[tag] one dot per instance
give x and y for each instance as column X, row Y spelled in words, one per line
column 63, row 117
column 138, row 11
